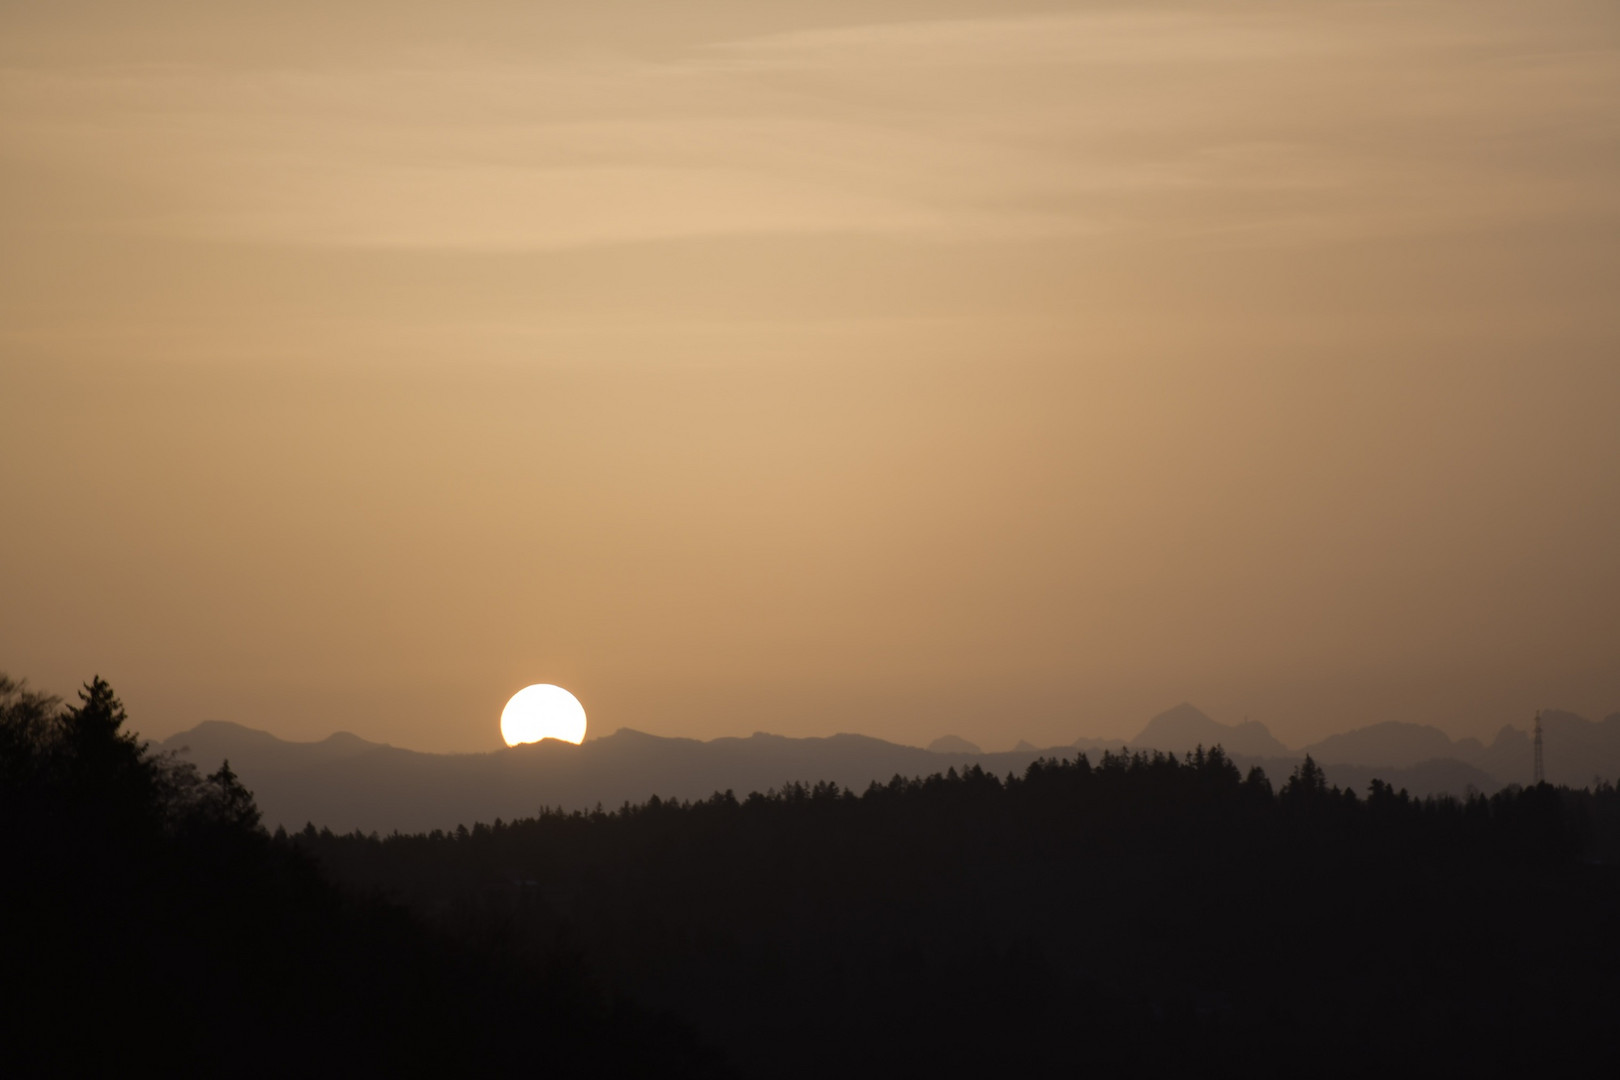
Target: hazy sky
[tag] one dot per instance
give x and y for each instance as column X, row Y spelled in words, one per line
column 893, row 367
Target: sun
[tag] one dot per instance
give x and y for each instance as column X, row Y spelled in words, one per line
column 542, row 711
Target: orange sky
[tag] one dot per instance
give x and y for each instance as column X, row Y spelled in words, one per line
column 898, row 367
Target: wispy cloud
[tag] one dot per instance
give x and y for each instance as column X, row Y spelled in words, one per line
column 1283, row 126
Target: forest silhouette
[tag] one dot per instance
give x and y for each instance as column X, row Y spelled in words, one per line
column 1143, row 914
column 151, row 924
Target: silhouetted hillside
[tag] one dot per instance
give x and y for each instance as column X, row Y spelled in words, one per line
column 1137, row 916
column 151, row 928
column 1184, row 728
column 213, row 740
column 1388, row 743
column 1426, row 779
column 1576, row 749
column 1140, row 915
column 383, row 788
column 346, row 783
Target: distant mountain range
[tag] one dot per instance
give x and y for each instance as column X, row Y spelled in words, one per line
column 345, row 782
column 1184, row 728
column 1575, row 749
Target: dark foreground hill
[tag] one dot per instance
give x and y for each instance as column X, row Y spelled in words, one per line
column 1137, row 915
column 347, row 783
column 150, row 927
column 1144, row 915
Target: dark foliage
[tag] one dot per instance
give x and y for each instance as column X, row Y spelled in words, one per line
column 1143, row 915
column 150, row 925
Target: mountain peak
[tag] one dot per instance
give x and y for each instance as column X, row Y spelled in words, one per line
column 1389, row 742
column 346, row 741
column 1185, row 727
column 221, row 729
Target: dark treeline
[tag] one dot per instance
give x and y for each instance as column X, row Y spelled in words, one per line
column 150, row 926
column 1138, row 915
column 1145, row 914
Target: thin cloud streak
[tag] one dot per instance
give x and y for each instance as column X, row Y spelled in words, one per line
column 740, row 368
column 1282, row 128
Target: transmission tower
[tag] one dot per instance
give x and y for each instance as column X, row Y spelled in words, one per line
column 1541, row 774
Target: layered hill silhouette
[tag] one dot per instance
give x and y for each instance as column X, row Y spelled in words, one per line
column 345, row 782
column 1185, row 728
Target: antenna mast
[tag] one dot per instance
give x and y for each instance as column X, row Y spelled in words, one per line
column 1541, row 774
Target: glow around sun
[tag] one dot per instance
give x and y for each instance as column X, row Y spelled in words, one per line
column 542, row 711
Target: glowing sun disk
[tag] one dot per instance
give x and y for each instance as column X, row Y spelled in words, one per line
column 542, row 711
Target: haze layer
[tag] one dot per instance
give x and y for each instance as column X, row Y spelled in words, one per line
column 894, row 367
